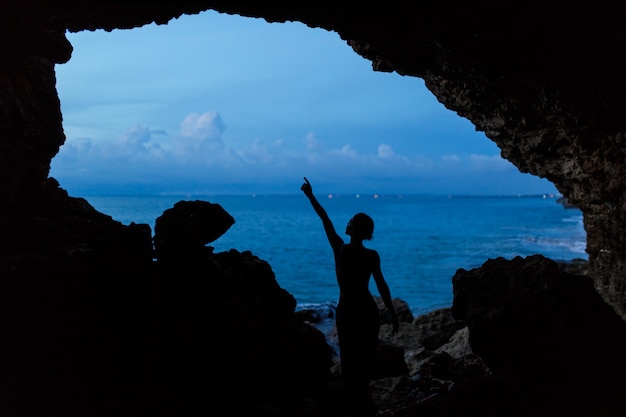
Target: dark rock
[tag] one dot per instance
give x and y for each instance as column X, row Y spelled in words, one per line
column 255, row 276
column 544, row 344
column 546, row 333
column 428, row 335
column 444, row 387
column 437, row 327
column 93, row 320
column 403, row 310
column 389, row 361
column 85, row 334
column 565, row 203
column 189, row 226
column 512, row 83
column 309, row 315
column 575, row 266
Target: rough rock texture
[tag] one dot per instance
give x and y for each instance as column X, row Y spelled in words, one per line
column 538, row 341
column 546, row 334
column 543, row 80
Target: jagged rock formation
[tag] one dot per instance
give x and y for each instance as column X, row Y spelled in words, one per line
column 92, row 325
column 556, row 348
column 544, row 80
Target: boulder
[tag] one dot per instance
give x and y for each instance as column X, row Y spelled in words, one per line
column 547, row 333
column 189, row 226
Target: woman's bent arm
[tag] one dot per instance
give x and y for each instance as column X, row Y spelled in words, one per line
column 385, row 293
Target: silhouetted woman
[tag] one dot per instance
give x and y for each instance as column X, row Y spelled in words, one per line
column 357, row 320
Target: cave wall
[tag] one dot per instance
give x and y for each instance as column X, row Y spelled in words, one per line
column 543, row 80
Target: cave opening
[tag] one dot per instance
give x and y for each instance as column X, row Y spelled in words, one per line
column 92, row 324
column 222, row 107
column 191, row 105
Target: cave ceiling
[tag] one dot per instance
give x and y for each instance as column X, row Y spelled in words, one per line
column 543, row 80
column 532, row 75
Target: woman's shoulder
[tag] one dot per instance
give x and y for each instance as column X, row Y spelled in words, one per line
column 373, row 253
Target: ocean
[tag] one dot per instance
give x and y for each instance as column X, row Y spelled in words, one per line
column 422, row 240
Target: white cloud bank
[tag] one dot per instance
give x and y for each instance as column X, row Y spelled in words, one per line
column 198, row 159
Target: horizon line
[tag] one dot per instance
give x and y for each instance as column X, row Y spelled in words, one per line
column 319, row 194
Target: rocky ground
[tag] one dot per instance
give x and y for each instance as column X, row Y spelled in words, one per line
column 97, row 320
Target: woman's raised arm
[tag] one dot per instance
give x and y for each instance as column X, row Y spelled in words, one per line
column 333, row 238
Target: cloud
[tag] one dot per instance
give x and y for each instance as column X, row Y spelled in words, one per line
column 73, row 150
column 385, row 151
column 260, row 153
column 312, row 143
column 489, row 163
column 345, row 151
column 136, row 143
column 200, row 138
column 203, row 127
column 198, row 157
column 135, row 137
column 476, row 163
column 450, row 158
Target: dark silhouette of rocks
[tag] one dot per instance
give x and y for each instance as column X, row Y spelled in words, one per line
column 437, row 327
column 543, row 81
column 576, row 266
column 188, row 227
column 527, row 338
column 228, row 322
column 95, row 325
column 91, row 325
column 85, row 332
column 547, row 336
column 565, row 203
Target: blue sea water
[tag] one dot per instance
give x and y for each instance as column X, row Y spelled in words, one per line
column 422, row 240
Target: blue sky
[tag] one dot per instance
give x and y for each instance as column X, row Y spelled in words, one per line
column 213, row 103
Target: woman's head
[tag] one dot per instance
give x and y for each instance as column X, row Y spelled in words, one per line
column 360, row 226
